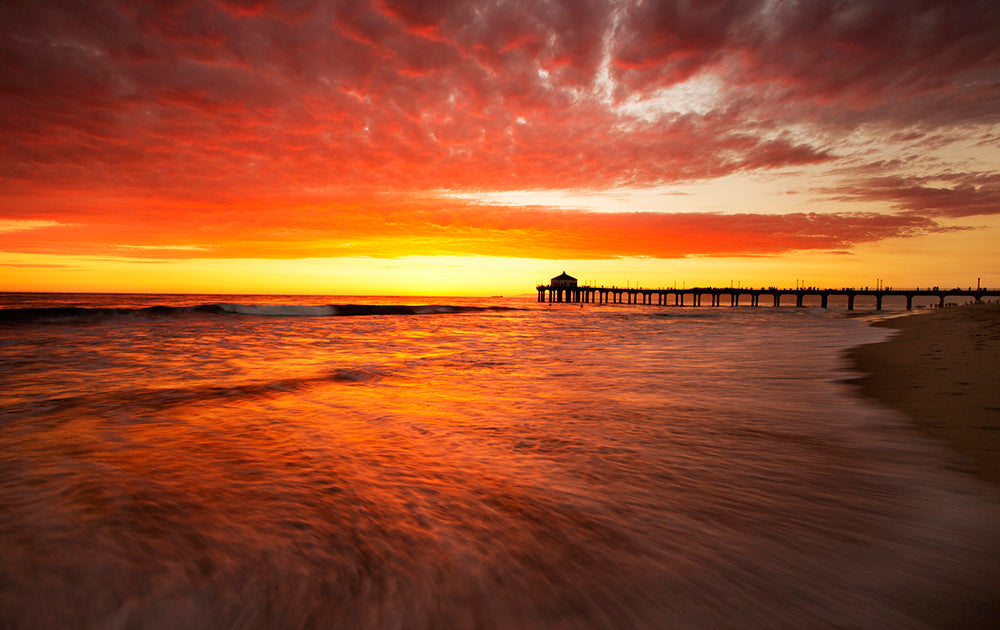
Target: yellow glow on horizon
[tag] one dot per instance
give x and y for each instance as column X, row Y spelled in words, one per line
column 410, row 275
column 938, row 259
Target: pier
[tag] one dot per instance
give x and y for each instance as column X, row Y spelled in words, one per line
column 559, row 292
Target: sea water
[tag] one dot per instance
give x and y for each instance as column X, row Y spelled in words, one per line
column 315, row 462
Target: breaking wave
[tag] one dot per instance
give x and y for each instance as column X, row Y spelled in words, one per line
column 73, row 314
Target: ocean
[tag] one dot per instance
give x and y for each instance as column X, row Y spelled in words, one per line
column 191, row 461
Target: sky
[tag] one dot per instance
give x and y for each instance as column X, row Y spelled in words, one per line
column 482, row 147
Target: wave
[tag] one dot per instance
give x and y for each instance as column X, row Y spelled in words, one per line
column 82, row 314
column 142, row 400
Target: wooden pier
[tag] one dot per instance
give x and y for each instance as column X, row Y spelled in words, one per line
column 742, row 296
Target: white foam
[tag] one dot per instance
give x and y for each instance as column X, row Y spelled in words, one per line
column 433, row 310
column 279, row 310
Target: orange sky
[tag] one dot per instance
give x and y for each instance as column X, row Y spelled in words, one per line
column 450, row 147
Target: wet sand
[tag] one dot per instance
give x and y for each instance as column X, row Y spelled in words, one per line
column 943, row 370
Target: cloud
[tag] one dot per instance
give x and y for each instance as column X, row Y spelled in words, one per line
column 390, row 226
column 925, row 62
column 254, row 128
column 18, row 225
column 392, row 95
column 953, row 195
column 35, row 265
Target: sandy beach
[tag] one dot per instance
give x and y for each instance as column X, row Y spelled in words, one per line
column 943, row 370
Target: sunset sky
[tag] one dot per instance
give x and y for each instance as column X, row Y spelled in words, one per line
column 477, row 147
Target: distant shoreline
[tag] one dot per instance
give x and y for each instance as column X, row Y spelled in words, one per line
column 942, row 369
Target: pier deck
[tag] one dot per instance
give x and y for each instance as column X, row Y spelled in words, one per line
column 743, row 296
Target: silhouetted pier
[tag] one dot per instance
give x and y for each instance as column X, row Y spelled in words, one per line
column 743, row 296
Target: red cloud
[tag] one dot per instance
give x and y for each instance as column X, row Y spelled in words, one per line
column 946, row 195
column 859, row 54
column 195, row 95
column 258, row 128
column 403, row 225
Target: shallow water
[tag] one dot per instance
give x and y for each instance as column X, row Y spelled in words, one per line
column 534, row 466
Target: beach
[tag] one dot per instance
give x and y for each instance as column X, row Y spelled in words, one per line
column 942, row 369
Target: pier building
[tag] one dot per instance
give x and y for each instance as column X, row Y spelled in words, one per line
column 564, row 285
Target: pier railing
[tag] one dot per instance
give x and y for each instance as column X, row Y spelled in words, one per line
column 743, row 296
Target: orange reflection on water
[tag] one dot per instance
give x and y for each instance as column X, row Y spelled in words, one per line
column 516, row 469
